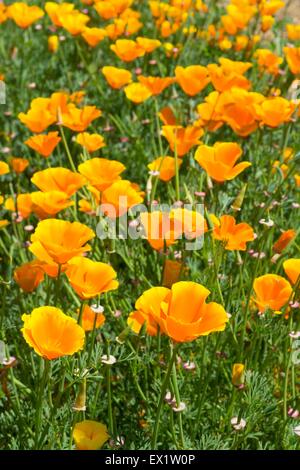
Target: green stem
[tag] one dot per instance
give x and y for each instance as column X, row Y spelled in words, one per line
column 162, row 396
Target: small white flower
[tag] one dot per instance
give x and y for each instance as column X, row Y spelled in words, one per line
column 238, row 426
column 268, row 223
column 294, row 334
column 109, row 360
column 179, row 408
column 97, row 308
column 297, row 430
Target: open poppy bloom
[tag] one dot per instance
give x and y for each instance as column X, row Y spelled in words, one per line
column 182, row 312
column 93, row 36
column 226, row 76
column 156, row 85
column 147, row 44
column 148, row 303
column 268, row 61
column 37, row 119
column 292, row 55
column 59, row 241
column 159, row 229
column 74, row 21
column 24, row 15
column 90, row 435
column 78, row 119
column 58, row 179
column 137, row 92
column 4, row 168
column 127, row 50
column 292, row 269
column 44, row 144
column 54, row 10
column 284, row 240
column 24, row 205
column 18, row 164
column 29, row 275
column 182, row 139
column 120, row 197
column 271, row 292
column 91, row 142
column 90, row 278
column 109, row 9
column 51, row 333
column 49, row 203
column 219, row 161
column 100, row 172
column 91, row 319
column 275, row 111
column 164, row 167
column 192, row 79
column 233, row 235
column 116, row 77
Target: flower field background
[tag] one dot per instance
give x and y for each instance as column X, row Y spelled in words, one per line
column 186, row 334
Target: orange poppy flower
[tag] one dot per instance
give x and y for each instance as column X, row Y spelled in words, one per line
column 3, row 223
column 192, row 79
column 51, row 333
column 147, row 44
column 122, row 195
column 29, row 275
column 74, row 21
column 116, row 77
column 127, row 50
column 159, row 229
column 90, row 278
column 191, row 223
column 90, row 435
column 219, row 161
column 53, row 43
column 148, row 303
column 24, row 204
column 19, row 164
column 182, row 323
column 156, row 85
column 275, row 111
column 267, row 22
column 137, row 92
column 78, row 119
column 49, row 203
column 164, row 167
column 167, row 116
column 293, row 31
column 239, row 109
column 225, row 77
column 37, row 119
column 58, row 179
column 182, row 139
column 93, row 36
column 101, row 172
column 292, row 269
column 91, row 142
column 44, row 144
column 91, row 319
column 59, row 240
column 268, row 61
column 54, row 10
column 284, row 240
column 4, row 168
column 270, row 7
column 272, row 292
column 234, row 236
column 24, row 15
column 292, row 55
